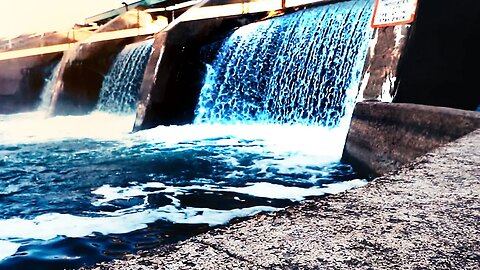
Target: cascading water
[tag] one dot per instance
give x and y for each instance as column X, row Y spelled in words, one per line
column 301, row 69
column 75, row 190
column 47, row 93
column 120, row 87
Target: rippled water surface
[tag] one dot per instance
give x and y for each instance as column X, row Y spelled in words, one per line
column 77, row 190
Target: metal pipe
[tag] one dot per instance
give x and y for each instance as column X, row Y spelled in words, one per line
column 126, row 6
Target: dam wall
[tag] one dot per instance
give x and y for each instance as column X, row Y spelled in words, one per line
column 175, row 73
column 26, row 63
column 85, row 55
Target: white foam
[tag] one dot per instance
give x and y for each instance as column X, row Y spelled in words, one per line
column 293, row 149
column 261, row 189
column 8, row 249
column 275, row 191
column 293, row 144
column 339, row 187
column 113, row 193
column 214, row 217
column 313, row 140
column 286, row 149
column 49, row 226
column 110, row 193
column 36, row 127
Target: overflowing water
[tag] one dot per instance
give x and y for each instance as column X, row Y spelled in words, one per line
column 303, row 68
column 120, row 87
column 71, row 197
column 75, row 190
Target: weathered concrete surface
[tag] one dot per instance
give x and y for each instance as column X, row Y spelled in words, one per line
column 384, row 136
column 37, row 40
column 380, row 71
column 424, row 216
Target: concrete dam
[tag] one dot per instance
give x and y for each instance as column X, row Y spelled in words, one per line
column 212, row 134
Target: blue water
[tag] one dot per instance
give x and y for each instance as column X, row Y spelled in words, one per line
column 309, row 71
column 75, row 190
column 71, row 197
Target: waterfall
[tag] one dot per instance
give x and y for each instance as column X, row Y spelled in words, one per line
column 47, row 91
column 121, row 85
column 301, row 68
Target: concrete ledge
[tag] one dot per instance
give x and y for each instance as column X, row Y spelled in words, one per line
column 423, row 216
column 384, row 136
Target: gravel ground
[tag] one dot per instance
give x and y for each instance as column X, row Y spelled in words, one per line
column 424, row 216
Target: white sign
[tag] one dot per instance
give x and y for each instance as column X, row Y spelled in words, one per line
column 393, row 12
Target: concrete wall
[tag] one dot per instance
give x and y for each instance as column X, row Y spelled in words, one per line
column 45, row 39
column 431, row 62
column 384, row 136
column 381, row 66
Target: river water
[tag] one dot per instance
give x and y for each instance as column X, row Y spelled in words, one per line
column 80, row 189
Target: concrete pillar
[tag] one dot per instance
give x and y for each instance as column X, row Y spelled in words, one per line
column 380, row 71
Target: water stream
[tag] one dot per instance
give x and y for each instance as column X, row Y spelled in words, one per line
column 120, row 87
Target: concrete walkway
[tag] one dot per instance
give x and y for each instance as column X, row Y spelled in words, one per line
column 424, row 216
